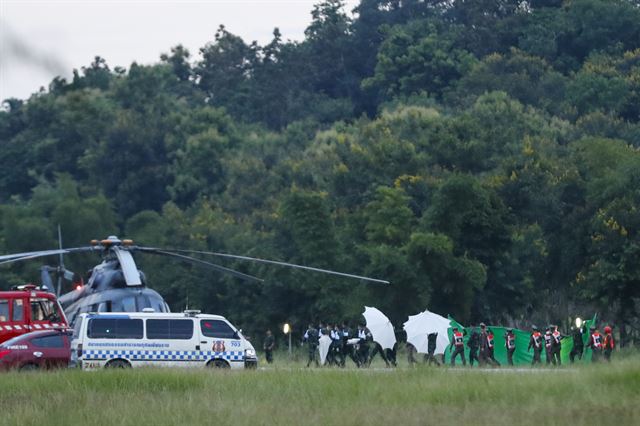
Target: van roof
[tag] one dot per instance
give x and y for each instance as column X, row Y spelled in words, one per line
column 153, row 315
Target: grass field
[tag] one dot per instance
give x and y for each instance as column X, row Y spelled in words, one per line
column 287, row 394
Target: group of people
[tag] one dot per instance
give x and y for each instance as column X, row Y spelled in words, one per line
column 551, row 343
column 359, row 346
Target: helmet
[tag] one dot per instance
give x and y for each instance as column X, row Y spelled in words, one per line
column 482, row 325
column 534, row 327
column 607, row 329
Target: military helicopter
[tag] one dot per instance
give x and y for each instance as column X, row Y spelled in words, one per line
column 117, row 285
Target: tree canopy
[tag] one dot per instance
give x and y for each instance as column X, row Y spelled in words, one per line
column 482, row 156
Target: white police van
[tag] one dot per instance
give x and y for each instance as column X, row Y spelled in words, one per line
column 137, row 339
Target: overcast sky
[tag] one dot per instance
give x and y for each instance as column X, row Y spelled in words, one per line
column 44, row 38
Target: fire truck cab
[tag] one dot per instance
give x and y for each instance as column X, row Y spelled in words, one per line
column 28, row 308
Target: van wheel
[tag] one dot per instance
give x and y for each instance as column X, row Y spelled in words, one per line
column 118, row 363
column 29, row 367
column 218, row 363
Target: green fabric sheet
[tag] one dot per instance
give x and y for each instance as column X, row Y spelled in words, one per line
column 521, row 356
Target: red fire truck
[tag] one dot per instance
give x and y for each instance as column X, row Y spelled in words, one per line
column 28, row 308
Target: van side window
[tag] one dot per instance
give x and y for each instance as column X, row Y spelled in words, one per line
column 115, row 328
column 169, row 329
column 18, row 310
column 217, row 328
column 4, row 310
column 48, row 342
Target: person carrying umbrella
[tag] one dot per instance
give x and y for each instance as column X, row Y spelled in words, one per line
column 458, row 343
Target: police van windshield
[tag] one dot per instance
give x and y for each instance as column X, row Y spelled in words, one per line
column 217, row 328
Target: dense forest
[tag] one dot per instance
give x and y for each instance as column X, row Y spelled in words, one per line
column 483, row 156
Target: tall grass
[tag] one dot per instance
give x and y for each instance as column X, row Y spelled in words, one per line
column 290, row 395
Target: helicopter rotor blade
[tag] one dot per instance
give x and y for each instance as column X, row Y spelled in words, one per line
column 19, row 257
column 273, row 262
column 199, row 262
column 128, row 266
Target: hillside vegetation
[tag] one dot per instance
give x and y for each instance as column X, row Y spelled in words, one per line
column 482, row 156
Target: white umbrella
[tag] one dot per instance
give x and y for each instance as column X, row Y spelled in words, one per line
column 380, row 327
column 324, row 343
column 418, row 328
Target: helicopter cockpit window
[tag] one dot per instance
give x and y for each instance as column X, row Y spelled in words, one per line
column 18, row 310
column 126, row 304
column 115, row 328
column 142, row 302
column 4, row 310
column 218, row 329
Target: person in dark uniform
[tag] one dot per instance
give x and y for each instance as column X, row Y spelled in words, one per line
column 510, row 345
column 473, row 344
column 391, row 353
column 556, row 344
column 609, row 343
column 595, row 343
column 490, row 348
column 347, row 349
column 548, row 339
column 377, row 349
column 535, row 342
column 311, row 338
column 484, row 348
column 337, row 356
column 458, row 343
column 578, row 344
column 430, row 358
column 364, row 336
column 268, row 345
column 411, row 354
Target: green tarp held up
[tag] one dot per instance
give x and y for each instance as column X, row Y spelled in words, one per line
column 521, row 356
